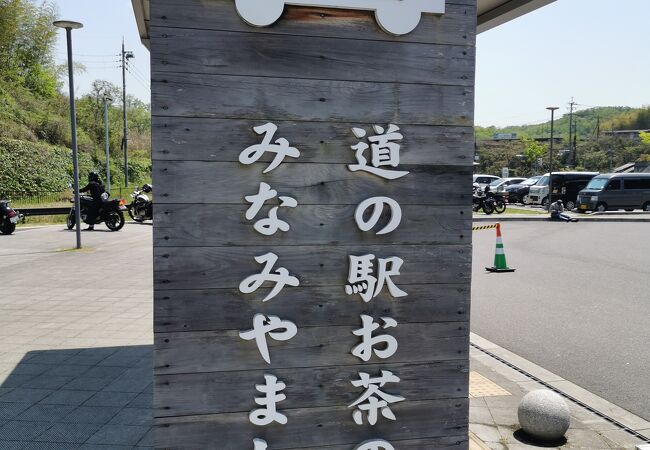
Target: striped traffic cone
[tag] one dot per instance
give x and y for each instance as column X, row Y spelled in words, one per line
column 499, row 256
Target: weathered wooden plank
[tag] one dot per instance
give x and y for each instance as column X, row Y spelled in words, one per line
column 310, row 224
column 227, row 267
column 457, row 26
column 311, row 427
column 225, row 351
column 310, row 184
column 219, row 309
column 308, row 57
column 460, row 441
column 222, row 140
column 262, row 98
column 213, row 393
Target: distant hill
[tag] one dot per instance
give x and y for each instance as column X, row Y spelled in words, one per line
column 586, row 123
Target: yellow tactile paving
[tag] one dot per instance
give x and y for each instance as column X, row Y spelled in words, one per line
column 479, row 386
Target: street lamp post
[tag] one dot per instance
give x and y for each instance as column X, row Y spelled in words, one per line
column 550, row 159
column 69, row 26
column 107, row 100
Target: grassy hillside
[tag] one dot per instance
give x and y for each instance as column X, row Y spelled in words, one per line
column 586, row 123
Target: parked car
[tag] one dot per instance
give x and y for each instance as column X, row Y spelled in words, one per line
column 566, row 186
column 616, row 191
column 518, row 192
column 501, row 184
column 484, row 180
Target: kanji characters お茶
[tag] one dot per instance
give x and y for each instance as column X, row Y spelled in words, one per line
column 366, row 348
column 374, row 400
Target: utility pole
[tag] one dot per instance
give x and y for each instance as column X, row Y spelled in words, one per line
column 107, row 100
column 571, row 134
column 597, row 128
column 126, row 55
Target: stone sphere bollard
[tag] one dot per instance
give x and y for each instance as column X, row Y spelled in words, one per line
column 544, row 414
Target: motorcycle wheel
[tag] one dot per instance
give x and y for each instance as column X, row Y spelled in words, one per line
column 487, row 208
column 499, row 206
column 114, row 220
column 70, row 223
column 7, row 227
column 130, row 210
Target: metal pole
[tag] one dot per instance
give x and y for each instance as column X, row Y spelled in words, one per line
column 73, row 125
column 108, row 161
column 550, row 163
column 125, row 139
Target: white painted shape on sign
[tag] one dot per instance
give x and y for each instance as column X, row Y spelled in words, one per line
column 277, row 329
column 280, row 277
column 375, row 444
column 269, row 414
column 396, row 17
column 260, row 444
column 384, row 151
column 377, row 205
column 387, row 343
column 281, row 148
column 374, row 401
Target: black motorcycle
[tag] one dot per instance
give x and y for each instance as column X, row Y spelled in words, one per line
column 141, row 208
column 484, row 203
column 111, row 213
column 499, row 202
column 8, row 218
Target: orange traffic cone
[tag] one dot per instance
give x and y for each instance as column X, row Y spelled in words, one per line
column 499, row 256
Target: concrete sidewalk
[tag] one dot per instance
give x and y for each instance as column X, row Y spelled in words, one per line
column 496, row 390
column 76, row 354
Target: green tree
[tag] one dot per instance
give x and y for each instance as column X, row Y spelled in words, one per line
column 645, row 137
column 27, row 39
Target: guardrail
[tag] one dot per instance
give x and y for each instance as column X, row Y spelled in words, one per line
column 27, row 212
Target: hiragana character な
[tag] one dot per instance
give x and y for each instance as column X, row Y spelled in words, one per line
column 277, row 329
column 383, row 152
column 269, row 414
column 368, row 343
column 377, row 204
column 373, row 399
column 281, row 277
column 281, row 148
column 363, row 282
column 271, row 224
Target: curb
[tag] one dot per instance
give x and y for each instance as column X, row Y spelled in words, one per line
column 599, row 404
column 497, row 218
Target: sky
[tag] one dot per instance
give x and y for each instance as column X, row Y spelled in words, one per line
column 98, row 45
column 594, row 51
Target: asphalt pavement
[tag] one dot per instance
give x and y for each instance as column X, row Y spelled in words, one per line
column 577, row 305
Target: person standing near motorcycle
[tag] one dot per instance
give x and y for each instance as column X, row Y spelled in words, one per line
column 96, row 189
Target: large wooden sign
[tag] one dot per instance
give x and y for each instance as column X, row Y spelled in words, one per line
column 312, row 239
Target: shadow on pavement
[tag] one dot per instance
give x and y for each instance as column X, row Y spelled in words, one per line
column 525, row 438
column 79, row 398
